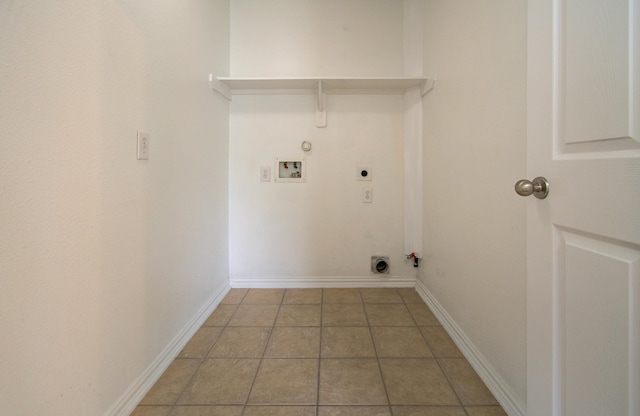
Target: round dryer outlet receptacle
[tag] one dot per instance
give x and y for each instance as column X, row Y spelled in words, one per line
column 363, row 173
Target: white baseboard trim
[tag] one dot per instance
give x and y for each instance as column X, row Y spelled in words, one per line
column 494, row 381
column 136, row 392
column 323, row 281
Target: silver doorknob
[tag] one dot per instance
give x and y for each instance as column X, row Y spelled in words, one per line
column 539, row 187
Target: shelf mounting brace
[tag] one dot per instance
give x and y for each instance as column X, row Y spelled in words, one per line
column 321, row 111
column 219, row 86
column 427, row 86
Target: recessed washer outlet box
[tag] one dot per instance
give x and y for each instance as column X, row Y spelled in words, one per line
column 290, row 170
column 380, row 264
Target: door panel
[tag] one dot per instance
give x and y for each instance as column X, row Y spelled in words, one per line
column 593, row 70
column 593, row 57
column 595, row 321
column 583, row 255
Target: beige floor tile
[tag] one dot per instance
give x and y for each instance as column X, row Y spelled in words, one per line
column 409, row 295
column 441, row 344
column 254, row 315
column 343, row 315
column 221, row 381
column 347, row 342
column 172, row 382
column 399, row 342
column 354, row 411
column 388, row 315
column 467, row 384
column 302, row 296
column 221, row 315
column 422, row 315
column 294, row 342
column 263, row 297
column 416, row 381
column 350, row 381
column 280, row 411
column 375, row 295
column 286, row 381
column 341, row 296
column 234, row 296
column 485, row 411
column 404, row 333
column 199, row 345
column 428, row 411
column 151, row 411
column 299, row 315
column 241, row 342
column 207, row 411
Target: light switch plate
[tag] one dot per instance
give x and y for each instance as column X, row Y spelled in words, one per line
column 143, row 145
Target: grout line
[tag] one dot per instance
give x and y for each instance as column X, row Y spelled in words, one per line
column 264, row 349
column 207, row 353
column 410, row 314
column 446, row 376
column 188, row 383
column 319, row 352
column 244, row 296
column 436, row 359
column 375, row 350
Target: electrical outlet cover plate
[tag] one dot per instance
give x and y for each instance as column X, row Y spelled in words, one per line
column 363, row 173
column 367, row 195
column 143, row 146
column 265, row 174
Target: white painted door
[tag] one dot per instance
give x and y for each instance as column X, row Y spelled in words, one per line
column 583, row 255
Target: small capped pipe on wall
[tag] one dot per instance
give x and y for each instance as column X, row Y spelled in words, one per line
column 415, row 258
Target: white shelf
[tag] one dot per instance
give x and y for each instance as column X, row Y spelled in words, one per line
column 229, row 86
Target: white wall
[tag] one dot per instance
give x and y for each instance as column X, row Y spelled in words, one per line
column 474, row 151
column 320, row 228
column 105, row 258
column 311, row 38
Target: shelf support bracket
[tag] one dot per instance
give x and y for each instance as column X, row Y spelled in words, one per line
column 220, row 86
column 321, row 111
column 427, row 86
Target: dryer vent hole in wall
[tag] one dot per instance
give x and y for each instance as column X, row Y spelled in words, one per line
column 380, row 264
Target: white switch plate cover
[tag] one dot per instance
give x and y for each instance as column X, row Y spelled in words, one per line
column 367, row 195
column 143, row 145
column 265, row 173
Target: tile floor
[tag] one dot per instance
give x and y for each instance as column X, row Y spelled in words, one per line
column 320, row 352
